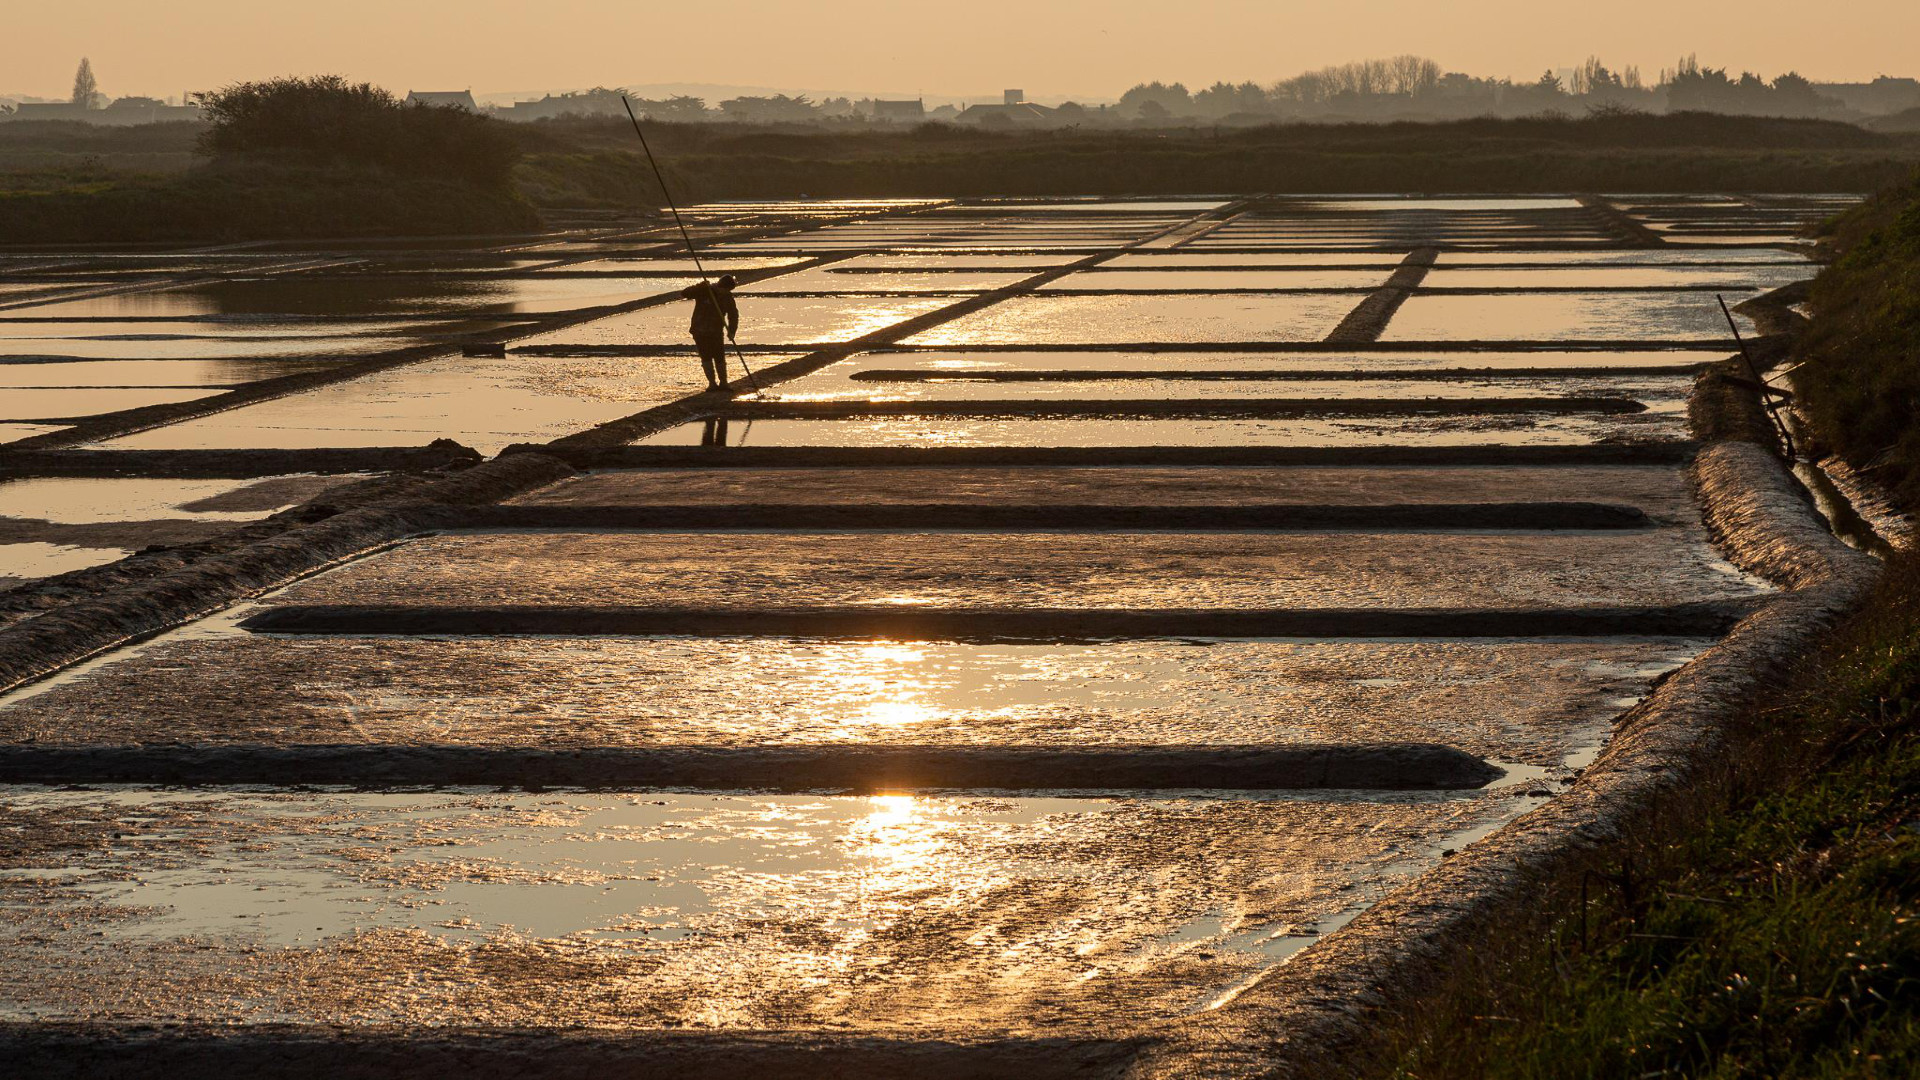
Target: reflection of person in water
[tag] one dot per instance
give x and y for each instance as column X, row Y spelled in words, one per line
column 715, row 433
column 716, row 318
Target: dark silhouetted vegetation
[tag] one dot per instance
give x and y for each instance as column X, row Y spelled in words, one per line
column 1859, row 374
column 1779, row 938
column 55, row 147
column 86, row 89
column 259, row 201
column 592, row 162
column 1394, row 88
column 328, row 122
column 287, row 158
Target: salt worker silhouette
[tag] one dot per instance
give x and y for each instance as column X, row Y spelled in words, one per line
column 716, row 318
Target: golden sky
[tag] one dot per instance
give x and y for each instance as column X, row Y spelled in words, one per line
column 1048, row 47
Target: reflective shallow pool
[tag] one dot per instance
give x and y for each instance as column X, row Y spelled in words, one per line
column 905, row 913
column 487, row 404
column 1562, row 317
column 749, row 571
column 1436, row 430
column 1027, row 319
column 1529, row 701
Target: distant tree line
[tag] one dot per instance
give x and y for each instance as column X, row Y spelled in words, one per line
column 1410, row 87
column 1394, row 88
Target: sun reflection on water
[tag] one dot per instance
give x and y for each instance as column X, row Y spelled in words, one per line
column 897, row 713
column 900, row 844
column 880, row 685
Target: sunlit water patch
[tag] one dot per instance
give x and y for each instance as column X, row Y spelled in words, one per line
column 1093, row 319
column 905, row 912
column 1436, row 430
column 763, row 321
column 1163, row 280
column 1562, row 317
column 1627, row 257
column 832, row 384
column 1742, row 278
column 34, row 559
column 1359, row 361
column 1529, row 701
column 487, row 404
column 748, row 571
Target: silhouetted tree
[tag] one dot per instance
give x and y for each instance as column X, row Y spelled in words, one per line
column 1173, row 100
column 86, row 90
column 1693, row 88
column 770, row 110
column 1226, row 99
column 681, row 108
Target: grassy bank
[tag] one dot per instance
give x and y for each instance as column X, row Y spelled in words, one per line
column 1859, row 378
column 215, row 204
column 1780, row 938
column 1779, row 934
column 594, row 162
column 94, row 184
column 51, row 147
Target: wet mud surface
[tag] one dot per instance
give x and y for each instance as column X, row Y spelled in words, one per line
column 1528, row 701
column 1216, row 317
column 1660, row 492
column 1440, row 429
column 1563, row 317
column 745, row 571
column 892, row 913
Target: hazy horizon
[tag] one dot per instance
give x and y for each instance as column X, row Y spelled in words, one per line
column 496, row 48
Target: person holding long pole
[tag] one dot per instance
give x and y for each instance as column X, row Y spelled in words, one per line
column 716, row 319
column 712, row 301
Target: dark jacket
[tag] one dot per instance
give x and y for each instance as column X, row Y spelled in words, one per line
column 713, row 309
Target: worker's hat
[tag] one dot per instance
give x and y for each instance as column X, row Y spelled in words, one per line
column 726, row 281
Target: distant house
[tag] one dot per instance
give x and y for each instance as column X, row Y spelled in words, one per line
column 1025, row 114
column 1881, row 96
column 52, row 110
column 444, row 99
column 582, row 103
column 143, row 110
column 910, row 112
column 125, row 112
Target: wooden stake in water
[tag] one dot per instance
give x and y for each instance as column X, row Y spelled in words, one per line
column 1753, row 371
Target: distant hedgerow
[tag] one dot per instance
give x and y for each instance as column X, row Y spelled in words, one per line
column 325, row 120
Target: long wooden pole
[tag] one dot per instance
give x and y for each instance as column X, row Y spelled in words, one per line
column 684, row 235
